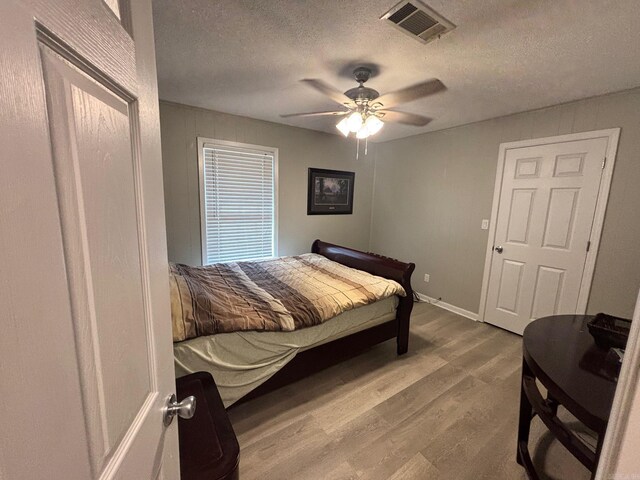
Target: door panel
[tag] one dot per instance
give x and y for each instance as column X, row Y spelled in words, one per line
column 522, row 201
column 527, row 168
column 561, row 213
column 94, row 170
column 510, row 282
column 569, row 165
column 87, row 353
column 547, row 204
column 547, row 292
column 114, row 6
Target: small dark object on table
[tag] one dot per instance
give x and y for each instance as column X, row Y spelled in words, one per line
column 609, row 331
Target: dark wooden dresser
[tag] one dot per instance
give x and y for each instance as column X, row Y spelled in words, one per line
column 209, row 448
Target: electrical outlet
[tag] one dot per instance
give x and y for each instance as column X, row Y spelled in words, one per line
column 426, row 277
column 485, row 224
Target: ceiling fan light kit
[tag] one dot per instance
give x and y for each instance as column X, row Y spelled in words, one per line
column 373, row 124
column 362, row 133
column 354, row 122
column 343, row 126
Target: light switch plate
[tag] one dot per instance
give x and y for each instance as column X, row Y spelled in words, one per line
column 426, row 277
column 485, row 224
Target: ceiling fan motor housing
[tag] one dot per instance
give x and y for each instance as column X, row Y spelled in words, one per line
column 362, row 74
column 362, row 94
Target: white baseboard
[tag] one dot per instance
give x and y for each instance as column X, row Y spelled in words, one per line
column 448, row 306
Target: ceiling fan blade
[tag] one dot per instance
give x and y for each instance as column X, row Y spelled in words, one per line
column 405, row 118
column 331, row 92
column 408, row 94
column 314, row 114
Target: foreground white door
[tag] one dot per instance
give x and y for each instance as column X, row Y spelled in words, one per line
column 547, row 205
column 85, row 342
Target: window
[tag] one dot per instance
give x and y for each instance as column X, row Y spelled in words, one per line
column 237, row 201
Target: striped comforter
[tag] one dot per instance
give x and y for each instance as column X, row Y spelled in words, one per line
column 284, row 294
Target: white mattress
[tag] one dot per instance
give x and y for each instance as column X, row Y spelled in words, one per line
column 241, row 361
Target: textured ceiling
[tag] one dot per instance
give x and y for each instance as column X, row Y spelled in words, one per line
column 505, row 56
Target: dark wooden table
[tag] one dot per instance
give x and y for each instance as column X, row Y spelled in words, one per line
column 560, row 353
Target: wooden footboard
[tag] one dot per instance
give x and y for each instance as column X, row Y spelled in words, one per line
column 383, row 267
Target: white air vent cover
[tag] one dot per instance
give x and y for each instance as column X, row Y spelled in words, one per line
column 418, row 21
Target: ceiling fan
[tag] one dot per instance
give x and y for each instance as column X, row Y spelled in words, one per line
column 366, row 111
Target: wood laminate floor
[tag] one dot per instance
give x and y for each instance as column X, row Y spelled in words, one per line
column 446, row 410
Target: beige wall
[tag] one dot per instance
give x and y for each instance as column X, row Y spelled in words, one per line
column 299, row 149
column 433, row 190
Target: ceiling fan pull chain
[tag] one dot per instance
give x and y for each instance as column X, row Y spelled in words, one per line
column 357, row 148
column 366, row 145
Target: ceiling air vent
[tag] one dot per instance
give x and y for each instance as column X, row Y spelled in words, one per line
column 418, row 21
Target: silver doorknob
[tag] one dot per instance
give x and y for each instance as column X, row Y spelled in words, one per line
column 185, row 409
column 498, row 249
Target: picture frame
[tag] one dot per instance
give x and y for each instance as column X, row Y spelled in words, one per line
column 330, row 192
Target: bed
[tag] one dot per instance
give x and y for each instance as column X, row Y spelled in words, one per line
column 247, row 363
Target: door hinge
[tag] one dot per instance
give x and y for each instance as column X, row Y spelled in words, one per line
column 588, row 245
column 604, row 162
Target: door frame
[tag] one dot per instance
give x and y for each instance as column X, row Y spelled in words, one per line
column 618, row 449
column 612, row 135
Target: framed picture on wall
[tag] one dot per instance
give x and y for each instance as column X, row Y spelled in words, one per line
column 330, row 192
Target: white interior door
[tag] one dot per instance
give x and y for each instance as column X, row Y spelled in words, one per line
column 86, row 351
column 545, row 215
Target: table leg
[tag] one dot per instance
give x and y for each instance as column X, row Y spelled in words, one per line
column 526, row 413
column 553, row 404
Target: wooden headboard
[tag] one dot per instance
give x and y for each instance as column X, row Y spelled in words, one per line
column 377, row 265
column 369, row 262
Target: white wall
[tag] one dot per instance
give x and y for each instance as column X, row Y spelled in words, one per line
column 432, row 191
column 299, row 149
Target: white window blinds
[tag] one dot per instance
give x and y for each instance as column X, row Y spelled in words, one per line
column 238, row 203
